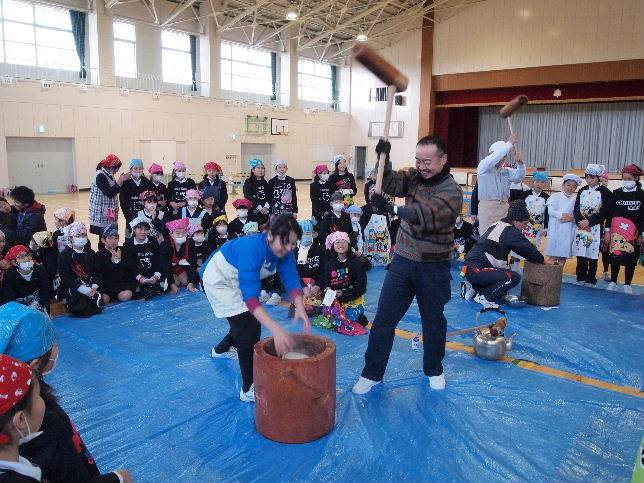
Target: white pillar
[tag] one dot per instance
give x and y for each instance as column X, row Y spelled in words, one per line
column 210, row 59
column 101, row 50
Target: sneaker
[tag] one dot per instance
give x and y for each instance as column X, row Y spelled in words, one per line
column 364, row 385
column 628, row 289
column 480, row 298
column 437, row 382
column 229, row 354
column 248, row 396
column 611, row 287
column 467, row 291
column 581, row 283
column 263, row 296
column 274, row 299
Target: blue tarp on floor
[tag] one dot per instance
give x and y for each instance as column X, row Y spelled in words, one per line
column 140, row 385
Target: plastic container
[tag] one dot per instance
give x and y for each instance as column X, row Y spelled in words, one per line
column 295, row 398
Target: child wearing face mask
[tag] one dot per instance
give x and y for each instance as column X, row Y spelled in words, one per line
column 218, row 234
column 143, row 257
column 257, row 191
column 310, row 257
column 213, row 182
column 355, row 212
column 45, row 253
column 155, row 216
column 117, row 276
column 103, row 208
column 343, row 181
column 561, row 232
column 210, row 207
column 62, row 218
column 192, row 211
column 591, row 208
column 180, row 255
column 130, row 194
column 80, row 279
column 203, row 248
column 320, row 191
column 158, row 186
column 177, row 188
column 21, row 415
column 624, row 227
column 283, row 192
column 236, row 227
column 337, row 220
column 26, row 282
column 58, row 449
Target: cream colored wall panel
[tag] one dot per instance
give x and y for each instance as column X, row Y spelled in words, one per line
column 26, row 124
column 68, row 120
column 147, row 121
column 85, row 163
column 11, row 118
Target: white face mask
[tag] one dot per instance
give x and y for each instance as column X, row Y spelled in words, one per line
column 198, row 238
column 337, row 207
column 26, row 266
column 157, row 178
column 193, row 203
column 324, row 177
column 180, row 174
column 306, row 240
column 150, row 206
column 355, row 219
column 25, row 438
column 629, row 185
column 180, row 239
column 79, row 241
column 222, row 229
column 135, row 175
column 242, row 213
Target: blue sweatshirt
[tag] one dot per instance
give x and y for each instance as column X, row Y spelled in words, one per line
column 253, row 258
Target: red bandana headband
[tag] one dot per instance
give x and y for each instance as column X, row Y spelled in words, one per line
column 15, row 381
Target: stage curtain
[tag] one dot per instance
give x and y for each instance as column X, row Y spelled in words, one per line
column 566, row 136
column 78, row 20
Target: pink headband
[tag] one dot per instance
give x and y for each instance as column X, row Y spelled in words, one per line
column 334, row 237
column 175, row 225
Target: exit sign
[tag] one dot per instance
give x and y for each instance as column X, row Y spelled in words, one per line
column 41, row 129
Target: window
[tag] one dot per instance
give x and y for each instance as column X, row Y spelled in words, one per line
column 314, row 81
column 175, row 57
column 37, row 35
column 246, row 70
column 124, row 49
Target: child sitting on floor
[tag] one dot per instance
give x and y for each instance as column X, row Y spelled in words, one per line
column 192, row 212
column 21, row 414
column 180, row 251
column 117, row 276
column 26, row 282
column 218, row 234
column 202, row 247
column 142, row 254
column 80, row 280
column 45, row 253
column 236, row 227
column 346, row 277
column 463, row 237
column 63, row 217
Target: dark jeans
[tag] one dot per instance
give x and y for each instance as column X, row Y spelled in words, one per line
column 629, row 271
column 429, row 282
column 587, row 270
column 492, row 283
column 244, row 333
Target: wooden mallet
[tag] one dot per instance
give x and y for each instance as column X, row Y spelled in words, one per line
column 510, row 108
column 395, row 80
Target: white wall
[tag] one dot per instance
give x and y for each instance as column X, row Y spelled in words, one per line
column 406, row 56
column 101, row 120
column 509, row 34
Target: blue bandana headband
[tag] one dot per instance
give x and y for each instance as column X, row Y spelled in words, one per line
column 25, row 333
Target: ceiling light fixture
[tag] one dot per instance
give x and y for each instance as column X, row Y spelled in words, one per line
column 291, row 15
column 361, row 37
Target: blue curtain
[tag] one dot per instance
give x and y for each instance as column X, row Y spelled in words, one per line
column 334, row 87
column 78, row 30
column 193, row 62
column 274, row 75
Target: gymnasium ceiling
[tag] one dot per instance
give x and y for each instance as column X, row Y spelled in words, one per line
column 324, row 29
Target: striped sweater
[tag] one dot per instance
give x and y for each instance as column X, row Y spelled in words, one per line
column 436, row 203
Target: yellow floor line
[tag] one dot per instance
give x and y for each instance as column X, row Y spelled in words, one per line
column 534, row 367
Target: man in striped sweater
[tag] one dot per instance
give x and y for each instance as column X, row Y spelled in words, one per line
column 421, row 265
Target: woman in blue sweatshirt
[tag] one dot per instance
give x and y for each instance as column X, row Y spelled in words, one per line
column 232, row 282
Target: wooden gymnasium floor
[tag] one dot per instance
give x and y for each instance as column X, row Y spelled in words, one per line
column 80, row 203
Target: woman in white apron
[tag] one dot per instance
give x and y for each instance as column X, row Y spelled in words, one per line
column 591, row 208
column 232, row 283
column 561, row 224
